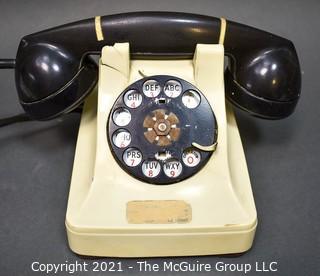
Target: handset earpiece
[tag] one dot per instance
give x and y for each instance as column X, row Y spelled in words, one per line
column 54, row 73
column 263, row 76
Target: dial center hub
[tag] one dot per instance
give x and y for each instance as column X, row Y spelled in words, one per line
column 162, row 127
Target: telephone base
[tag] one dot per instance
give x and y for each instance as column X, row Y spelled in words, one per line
column 109, row 211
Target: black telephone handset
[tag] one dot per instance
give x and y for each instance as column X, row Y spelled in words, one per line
column 54, row 72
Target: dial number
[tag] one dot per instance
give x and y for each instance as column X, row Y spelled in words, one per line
column 151, row 168
column 121, row 117
column 172, row 169
column 191, row 157
column 132, row 157
column 121, row 138
column 191, row 99
column 172, row 88
column 132, row 98
column 151, row 88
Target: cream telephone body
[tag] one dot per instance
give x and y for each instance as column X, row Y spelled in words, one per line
column 116, row 211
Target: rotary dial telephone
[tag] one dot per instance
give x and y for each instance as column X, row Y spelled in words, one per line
column 159, row 168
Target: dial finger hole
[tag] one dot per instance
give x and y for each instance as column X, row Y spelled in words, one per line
column 121, row 138
column 172, row 168
column 121, row 116
column 172, row 88
column 132, row 98
column 191, row 157
column 132, row 157
column 151, row 168
column 151, row 88
column 191, row 99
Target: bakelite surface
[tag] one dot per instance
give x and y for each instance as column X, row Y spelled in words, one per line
column 264, row 69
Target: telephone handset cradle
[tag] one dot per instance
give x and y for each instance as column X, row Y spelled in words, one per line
column 204, row 207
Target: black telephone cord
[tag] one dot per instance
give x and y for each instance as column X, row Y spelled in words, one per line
column 14, row 119
column 7, row 63
column 23, row 117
